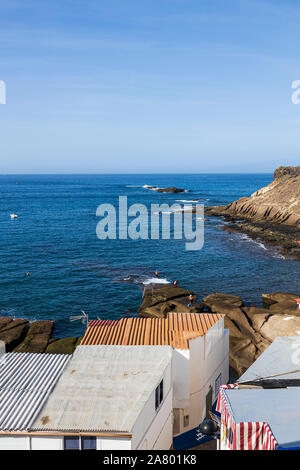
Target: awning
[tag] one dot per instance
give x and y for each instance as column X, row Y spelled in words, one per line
column 255, row 435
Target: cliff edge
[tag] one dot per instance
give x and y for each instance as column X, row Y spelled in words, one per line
column 272, row 213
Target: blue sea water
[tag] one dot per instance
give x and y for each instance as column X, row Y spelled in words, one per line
column 55, row 239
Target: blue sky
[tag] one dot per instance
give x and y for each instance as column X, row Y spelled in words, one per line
column 149, row 85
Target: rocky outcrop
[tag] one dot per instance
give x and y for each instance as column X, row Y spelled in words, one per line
column 159, row 301
column 37, row 337
column 63, row 346
column 252, row 329
column 278, row 297
column 212, row 301
column 12, row 332
column 19, row 335
column 273, row 212
column 171, row 189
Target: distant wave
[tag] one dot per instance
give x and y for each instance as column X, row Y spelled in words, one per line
column 271, row 251
column 145, row 280
column 192, row 201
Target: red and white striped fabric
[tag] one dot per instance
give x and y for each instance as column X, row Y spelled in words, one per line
column 245, row 435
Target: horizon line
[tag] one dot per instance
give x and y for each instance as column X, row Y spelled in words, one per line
column 158, row 173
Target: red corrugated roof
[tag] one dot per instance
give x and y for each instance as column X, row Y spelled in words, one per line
column 174, row 330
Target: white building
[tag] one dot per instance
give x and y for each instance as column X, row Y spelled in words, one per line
column 110, row 398
column 104, row 398
column 199, row 361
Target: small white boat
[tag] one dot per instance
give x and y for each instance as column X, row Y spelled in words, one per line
column 13, row 216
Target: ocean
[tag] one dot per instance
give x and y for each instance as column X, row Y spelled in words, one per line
column 54, row 238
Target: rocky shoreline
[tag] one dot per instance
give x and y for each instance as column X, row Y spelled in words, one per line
column 252, row 328
column 271, row 214
column 284, row 238
column 20, row 335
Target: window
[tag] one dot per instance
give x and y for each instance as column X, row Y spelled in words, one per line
column 71, row 443
column 88, row 443
column 218, row 385
column 80, row 443
column 159, row 394
column 186, row 421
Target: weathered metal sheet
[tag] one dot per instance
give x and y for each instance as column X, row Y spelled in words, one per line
column 104, row 388
column 25, row 383
column 174, row 330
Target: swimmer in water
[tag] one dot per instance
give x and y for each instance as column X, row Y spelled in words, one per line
column 28, row 274
column 156, row 274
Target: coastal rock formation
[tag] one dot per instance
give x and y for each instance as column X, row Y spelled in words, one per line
column 224, row 299
column 159, row 301
column 273, row 212
column 171, row 189
column 63, row 346
column 12, row 332
column 252, row 329
column 278, row 297
column 37, row 337
column 19, row 335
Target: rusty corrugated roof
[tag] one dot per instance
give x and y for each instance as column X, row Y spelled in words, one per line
column 174, row 330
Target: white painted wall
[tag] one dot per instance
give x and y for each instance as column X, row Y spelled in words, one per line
column 181, row 378
column 208, row 357
column 153, row 428
column 47, row 443
column 106, row 443
column 14, row 443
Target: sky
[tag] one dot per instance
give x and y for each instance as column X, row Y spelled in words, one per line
column 149, row 86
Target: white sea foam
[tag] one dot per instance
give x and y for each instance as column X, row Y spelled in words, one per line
column 156, row 280
column 191, row 201
column 271, row 251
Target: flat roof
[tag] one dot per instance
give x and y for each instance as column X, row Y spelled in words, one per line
column 103, row 388
column 280, row 408
column 175, row 330
column 25, row 383
column 279, row 357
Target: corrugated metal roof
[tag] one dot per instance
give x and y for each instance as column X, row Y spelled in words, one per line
column 174, row 330
column 25, row 382
column 103, row 388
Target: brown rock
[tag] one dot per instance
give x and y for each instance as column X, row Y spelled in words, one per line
column 280, row 325
column 289, row 307
column 152, row 312
column 257, row 316
column 242, row 354
column 159, row 301
column 220, row 298
column 4, row 322
column 63, row 346
column 37, row 337
column 171, row 189
column 14, row 333
column 275, row 297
